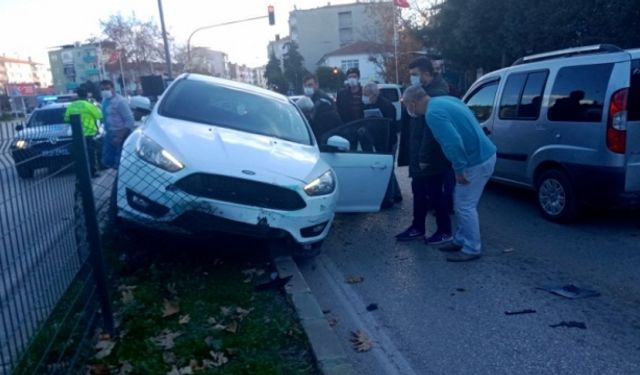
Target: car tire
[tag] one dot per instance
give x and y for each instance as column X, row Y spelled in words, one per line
column 24, row 171
column 556, row 196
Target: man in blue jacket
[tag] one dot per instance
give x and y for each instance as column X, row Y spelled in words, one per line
column 472, row 156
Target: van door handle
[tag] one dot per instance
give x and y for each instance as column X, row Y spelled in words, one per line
column 486, row 130
column 378, row 166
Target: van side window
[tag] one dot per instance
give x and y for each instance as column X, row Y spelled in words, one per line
column 578, row 93
column 522, row 96
column 481, row 101
column 633, row 103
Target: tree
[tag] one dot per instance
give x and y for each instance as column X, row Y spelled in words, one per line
column 275, row 77
column 294, row 70
column 140, row 42
column 330, row 80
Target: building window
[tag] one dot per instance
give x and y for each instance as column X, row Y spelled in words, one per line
column 345, row 27
column 347, row 64
column 345, row 20
column 346, row 36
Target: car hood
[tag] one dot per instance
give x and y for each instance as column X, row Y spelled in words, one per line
column 219, row 150
column 45, row 132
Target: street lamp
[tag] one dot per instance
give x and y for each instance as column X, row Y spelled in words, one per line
column 167, row 56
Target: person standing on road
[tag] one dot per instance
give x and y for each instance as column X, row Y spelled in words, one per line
column 119, row 123
column 372, row 100
column 323, row 116
column 428, row 166
column 349, row 99
column 472, row 155
column 89, row 116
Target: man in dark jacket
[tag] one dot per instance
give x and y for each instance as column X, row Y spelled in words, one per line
column 373, row 101
column 428, row 166
column 349, row 99
column 323, row 117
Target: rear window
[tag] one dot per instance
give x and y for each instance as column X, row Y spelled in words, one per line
column 578, row 93
column 390, row 94
column 211, row 104
column 44, row 117
column 633, row 104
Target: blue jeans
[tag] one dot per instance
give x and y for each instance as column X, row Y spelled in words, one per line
column 465, row 202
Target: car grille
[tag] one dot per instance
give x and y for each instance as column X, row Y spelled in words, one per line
column 241, row 191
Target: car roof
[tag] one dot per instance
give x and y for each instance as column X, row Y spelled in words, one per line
column 233, row 85
column 53, row 106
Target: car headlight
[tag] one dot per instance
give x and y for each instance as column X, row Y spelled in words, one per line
column 151, row 152
column 322, row 185
column 21, row 144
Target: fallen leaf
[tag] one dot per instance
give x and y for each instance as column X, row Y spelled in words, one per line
column 360, row 341
column 332, row 322
column 168, row 357
column 232, row 327
column 231, row 351
column 165, row 339
column 219, row 359
column 249, row 271
column 171, row 288
column 125, row 368
column 127, row 297
column 99, row 369
column 174, row 371
column 207, row 363
column 242, row 313
column 247, row 280
column 104, row 348
column 186, row 370
column 355, row 279
column 128, row 288
column 184, row 319
column 213, row 343
column 170, row 308
column 226, row 311
column 212, row 320
column 508, row 250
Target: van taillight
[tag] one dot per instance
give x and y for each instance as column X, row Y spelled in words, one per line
column 617, row 122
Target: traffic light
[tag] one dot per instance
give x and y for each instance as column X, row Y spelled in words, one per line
column 272, row 16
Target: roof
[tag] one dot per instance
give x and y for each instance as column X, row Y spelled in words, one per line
column 359, row 48
column 12, row 60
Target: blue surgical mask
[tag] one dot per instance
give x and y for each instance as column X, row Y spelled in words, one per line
column 365, row 100
column 309, row 91
column 415, row 80
column 353, row 82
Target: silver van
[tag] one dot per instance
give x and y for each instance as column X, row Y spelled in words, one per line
column 567, row 124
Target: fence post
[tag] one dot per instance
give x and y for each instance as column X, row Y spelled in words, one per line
column 83, row 178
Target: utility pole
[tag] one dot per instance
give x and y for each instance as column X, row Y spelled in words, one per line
column 167, row 56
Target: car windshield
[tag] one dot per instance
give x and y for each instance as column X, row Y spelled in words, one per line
column 211, row 104
column 44, row 117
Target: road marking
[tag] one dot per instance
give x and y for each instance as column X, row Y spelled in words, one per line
column 389, row 357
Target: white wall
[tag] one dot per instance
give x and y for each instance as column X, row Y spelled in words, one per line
column 368, row 70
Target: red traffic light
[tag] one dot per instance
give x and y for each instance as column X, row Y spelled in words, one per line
column 272, row 16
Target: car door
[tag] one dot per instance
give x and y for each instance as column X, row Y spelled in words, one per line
column 363, row 171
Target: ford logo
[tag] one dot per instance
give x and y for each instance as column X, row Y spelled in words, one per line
column 53, row 141
column 248, row 172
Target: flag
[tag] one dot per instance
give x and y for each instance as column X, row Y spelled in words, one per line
column 401, row 3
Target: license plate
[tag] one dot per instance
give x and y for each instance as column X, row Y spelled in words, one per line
column 62, row 151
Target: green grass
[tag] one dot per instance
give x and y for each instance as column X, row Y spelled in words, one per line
column 268, row 340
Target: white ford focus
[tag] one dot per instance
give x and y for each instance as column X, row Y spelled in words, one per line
column 217, row 155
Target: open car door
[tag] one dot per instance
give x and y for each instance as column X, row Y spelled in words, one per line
column 363, row 166
column 632, row 170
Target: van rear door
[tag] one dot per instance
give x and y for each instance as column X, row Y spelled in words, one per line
column 632, row 174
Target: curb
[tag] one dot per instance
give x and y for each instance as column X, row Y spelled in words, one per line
column 326, row 347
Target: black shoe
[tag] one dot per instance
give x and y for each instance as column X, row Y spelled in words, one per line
column 451, row 247
column 410, row 234
column 462, row 257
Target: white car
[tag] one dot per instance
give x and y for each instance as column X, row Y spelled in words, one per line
column 217, row 155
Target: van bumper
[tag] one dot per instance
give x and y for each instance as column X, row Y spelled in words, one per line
column 602, row 186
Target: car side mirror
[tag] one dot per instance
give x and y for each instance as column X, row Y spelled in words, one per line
column 338, row 143
column 19, row 128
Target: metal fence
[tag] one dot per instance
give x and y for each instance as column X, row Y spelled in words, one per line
column 52, row 290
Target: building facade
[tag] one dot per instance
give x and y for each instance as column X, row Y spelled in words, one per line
column 19, row 72
column 367, row 57
column 72, row 65
column 319, row 31
column 208, row 61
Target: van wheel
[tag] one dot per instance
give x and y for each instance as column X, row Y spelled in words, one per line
column 556, row 196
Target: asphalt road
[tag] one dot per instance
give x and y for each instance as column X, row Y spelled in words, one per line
column 436, row 317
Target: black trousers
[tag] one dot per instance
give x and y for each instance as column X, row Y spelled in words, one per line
column 429, row 193
column 91, row 154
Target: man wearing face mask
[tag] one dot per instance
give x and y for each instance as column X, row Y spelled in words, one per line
column 323, row 116
column 349, row 100
column 119, row 122
column 428, row 166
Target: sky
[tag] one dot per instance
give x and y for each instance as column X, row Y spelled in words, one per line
column 32, row 27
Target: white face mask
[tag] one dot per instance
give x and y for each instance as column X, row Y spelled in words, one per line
column 415, row 80
column 411, row 114
column 106, row 94
column 365, row 100
column 308, row 91
column 353, row 82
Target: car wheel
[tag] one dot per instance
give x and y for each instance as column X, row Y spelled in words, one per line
column 24, row 171
column 556, row 196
